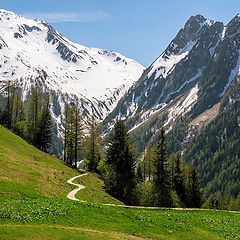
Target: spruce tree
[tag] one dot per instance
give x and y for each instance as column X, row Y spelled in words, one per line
column 161, row 178
column 139, row 173
column 120, row 180
column 178, row 183
column 195, row 195
column 93, row 144
column 44, row 130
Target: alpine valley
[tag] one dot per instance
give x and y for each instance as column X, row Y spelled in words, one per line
column 192, row 89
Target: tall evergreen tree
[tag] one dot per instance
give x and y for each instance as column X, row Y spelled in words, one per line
column 33, row 114
column 120, row 181
column 93, row 144
column 161, row 178
column 139, row 173
column 178, row 182
column 44, row 129
column 195, row 194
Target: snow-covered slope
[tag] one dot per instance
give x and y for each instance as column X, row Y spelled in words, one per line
column 32, row 49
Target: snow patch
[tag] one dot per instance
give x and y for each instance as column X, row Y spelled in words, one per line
column 183, row 106
column 198, row 74
column 233, row 74
column 163, row 66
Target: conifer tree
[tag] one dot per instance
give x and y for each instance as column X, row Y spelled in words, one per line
column 120, row 181
column 93, row 144
column 73, row 135
column 194, row 191
column 44, row 129
column 161, row 178
column 33, row 114
column 178, row 183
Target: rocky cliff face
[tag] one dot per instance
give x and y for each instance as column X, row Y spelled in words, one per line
column 192, row 75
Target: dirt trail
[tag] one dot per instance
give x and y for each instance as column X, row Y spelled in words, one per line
column 71, row 195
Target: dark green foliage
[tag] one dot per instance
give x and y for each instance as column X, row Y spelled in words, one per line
column 175, row 137
column 93, row 144
column 194, row 192
column 139, row 173
column 44, row 130
column 216, row 151
column 179, row 184
column 120, row 180
column 161, row 178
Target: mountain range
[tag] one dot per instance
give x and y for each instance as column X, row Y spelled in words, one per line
column 191, row 89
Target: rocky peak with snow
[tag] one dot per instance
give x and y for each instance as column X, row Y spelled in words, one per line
column 32, row 49
column 194, row 73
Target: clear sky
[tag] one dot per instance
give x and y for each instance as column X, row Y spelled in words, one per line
column 139, row 29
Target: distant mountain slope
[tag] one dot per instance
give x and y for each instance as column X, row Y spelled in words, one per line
column 191, row 75
column 194, row 82
column 32, row 49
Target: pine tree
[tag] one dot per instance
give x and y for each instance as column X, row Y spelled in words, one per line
column 120, row 181
column 6, row 118
column 93, row 144
column 161, row 179
column 178, row 183
column 33, row 114
column 78, row 134
column 44, row 130
column 194, row 191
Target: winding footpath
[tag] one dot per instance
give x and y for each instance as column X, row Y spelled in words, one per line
column 72, row 194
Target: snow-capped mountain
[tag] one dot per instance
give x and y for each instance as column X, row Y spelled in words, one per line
column 193, row 91
column 192, row 75
column 31, row 50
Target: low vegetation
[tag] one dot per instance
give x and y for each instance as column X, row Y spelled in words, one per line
column 68, row 218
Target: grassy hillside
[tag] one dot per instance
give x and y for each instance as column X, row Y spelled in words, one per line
column 33, row 205
column 27, row 172
column 94, row 191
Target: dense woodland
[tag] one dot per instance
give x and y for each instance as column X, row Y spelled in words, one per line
column 157, row 178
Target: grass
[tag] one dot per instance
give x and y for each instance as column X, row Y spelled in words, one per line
column 98, row 220
column 94, row 191
column 27, row 172
column 33, row 205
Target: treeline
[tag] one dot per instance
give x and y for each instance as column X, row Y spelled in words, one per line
column 157, row 179
column 31, row 119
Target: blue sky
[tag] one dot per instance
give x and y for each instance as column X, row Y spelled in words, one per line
column 140, row 29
